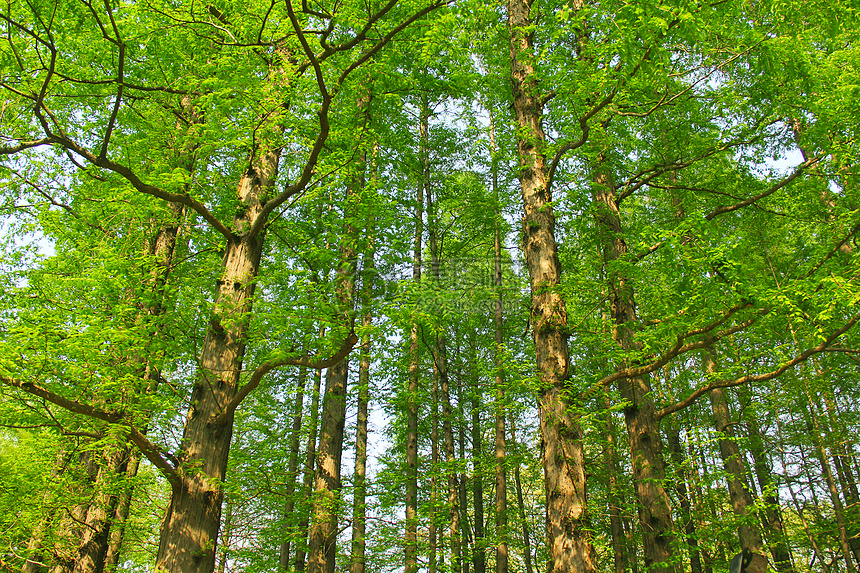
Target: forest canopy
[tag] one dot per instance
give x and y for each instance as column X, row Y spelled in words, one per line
column 429, row 285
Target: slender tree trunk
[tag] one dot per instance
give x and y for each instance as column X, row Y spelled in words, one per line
column 440, row 361
column 292, row 472
column 500, row 406
column 411, row 534
column 771, row 520
column 677, row 450
column 310, row 470
column 359, row 511
column 814, row 426
column 739, row 494
column 322, row 544
column 570, row 547
column 123, row 510
column 434, row 476
column 619, row 552
column 655, row 516
column 479, row 555
column 521, row 509
column 226, row 536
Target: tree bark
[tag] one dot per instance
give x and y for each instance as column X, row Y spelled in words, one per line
column 309, row 471
column 411, row 533
column 567, row 524
column 292, row 471
column 739, row 494
column 322, row 544
column 772, row 519
column 619, row 552
column 681, row 491
column 655, row 516
column 500, row 406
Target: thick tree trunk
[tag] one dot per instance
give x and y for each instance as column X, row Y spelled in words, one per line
column 655, row 516
column 189, row 531
column 569, row 542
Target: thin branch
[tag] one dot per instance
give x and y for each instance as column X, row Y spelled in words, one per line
column 680, row 348
column 147, row 448
column 773, row 189
column 802, row 357
column 266, row 367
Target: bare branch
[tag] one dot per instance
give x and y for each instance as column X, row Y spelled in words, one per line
column 773, row 189
column 680, row 348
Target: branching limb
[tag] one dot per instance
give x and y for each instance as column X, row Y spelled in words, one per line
column 802, row 357
column 680, row 348
column 773, row 189
column 266, row 367
column 152, row 452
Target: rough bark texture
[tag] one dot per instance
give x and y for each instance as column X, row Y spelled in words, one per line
column 569, row 543
column 655, row 516
column 322, row 543
column 190, row 527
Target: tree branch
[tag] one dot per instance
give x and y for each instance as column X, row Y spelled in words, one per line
column 680, row 348
column 773, row 189
column 146, row 447
column 266, row 367
column 803, row 356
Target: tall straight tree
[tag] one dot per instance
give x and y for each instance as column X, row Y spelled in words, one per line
column 562, row 453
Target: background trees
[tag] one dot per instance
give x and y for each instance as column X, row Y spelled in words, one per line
column 207, row 206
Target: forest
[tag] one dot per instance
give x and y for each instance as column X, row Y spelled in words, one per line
column 437, row 286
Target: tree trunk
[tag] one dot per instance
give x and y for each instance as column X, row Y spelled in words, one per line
column 411, row 533
column 359, row 511
column 322, row 544
column 739, row 494
column 771, row 520
column 292, row 471
column 521, row 510
column 655, row 516
column 815, row 428
column 499, row 350
column 310, row 470
column 683, row 494
column 619, row 553
column 440, row 362
column 479, row 555
column 570, row 547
